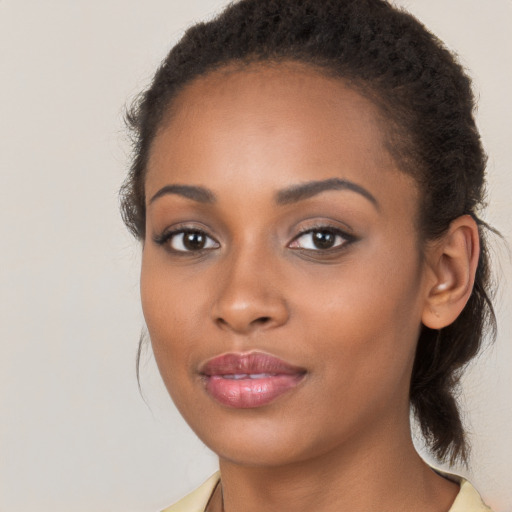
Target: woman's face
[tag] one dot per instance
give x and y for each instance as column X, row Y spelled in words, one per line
column 282, row 283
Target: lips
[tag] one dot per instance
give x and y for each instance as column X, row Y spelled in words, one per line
column 249, row 380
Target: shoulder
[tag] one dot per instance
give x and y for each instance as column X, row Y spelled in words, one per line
column 197, row 500
column 468, row 499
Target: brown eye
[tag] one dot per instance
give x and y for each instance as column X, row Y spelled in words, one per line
column 194, row 241
column 190, row 241
column 321, row 239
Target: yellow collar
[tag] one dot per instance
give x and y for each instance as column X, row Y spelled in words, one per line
column 468, row 499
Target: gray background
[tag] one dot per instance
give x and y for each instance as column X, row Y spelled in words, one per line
column 74, row 433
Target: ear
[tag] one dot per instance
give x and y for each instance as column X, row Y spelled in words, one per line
column 452, row 262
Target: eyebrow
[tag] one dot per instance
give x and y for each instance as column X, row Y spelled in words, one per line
column 199, row 194
column 312, row 188
column 290, row 195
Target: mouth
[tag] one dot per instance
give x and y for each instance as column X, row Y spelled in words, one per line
column 250, row 380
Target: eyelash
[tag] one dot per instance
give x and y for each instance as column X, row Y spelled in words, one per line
column 331, row 230
column 167, row 237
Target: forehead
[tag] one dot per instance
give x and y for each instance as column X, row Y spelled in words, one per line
column 266, row 98
column 268, row 126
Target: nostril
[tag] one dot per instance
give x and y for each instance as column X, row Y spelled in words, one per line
column 261, row 320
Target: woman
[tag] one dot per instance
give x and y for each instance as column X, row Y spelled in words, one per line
column 306, row 185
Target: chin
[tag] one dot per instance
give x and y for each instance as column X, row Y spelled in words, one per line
column 263, row 442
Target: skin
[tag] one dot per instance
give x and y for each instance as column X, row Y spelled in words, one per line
column 350, row 316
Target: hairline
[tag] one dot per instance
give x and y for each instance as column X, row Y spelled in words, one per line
column 404, row 162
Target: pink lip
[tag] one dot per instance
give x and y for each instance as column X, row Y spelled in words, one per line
column 249, row 380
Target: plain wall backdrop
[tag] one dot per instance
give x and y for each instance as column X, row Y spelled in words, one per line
column 75, row 435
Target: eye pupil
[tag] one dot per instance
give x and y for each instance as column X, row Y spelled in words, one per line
column 194, row 241
column 323, row 239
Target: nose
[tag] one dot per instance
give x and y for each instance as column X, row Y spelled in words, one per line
column 250, row 295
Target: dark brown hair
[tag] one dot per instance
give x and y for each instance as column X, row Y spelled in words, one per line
column 423, row 93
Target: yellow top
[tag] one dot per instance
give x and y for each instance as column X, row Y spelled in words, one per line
column 468, row 499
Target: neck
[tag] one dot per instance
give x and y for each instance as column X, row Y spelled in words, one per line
column 384, row 476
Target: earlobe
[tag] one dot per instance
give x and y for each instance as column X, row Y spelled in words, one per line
column 452, row 263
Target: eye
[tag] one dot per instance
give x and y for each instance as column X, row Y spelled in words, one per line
column 320, row 239
column 187, row 240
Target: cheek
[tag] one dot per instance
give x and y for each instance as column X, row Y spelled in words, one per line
column 366, row 315
column 172, row 298
column 170, row 319
column 172, row 325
